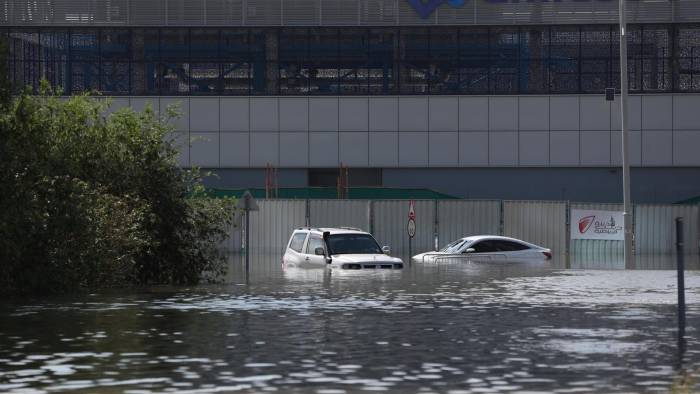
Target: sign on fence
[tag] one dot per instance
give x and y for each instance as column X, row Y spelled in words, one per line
column 607, row 225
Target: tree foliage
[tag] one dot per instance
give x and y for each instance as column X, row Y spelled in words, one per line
column 92, row 199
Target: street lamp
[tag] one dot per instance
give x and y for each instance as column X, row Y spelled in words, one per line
column 627, row 215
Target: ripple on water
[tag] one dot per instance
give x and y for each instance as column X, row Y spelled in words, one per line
column 563, row 331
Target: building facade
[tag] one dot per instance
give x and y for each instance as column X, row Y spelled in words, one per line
column 475, row 98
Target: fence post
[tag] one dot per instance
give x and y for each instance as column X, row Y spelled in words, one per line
column 436, row 227
column 680, row 266
column 568, row 235
column 501, row 219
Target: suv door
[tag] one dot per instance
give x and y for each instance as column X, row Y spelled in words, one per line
column 310, row 256
column 293, row 255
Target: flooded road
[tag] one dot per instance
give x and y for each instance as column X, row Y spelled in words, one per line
column 455, row 327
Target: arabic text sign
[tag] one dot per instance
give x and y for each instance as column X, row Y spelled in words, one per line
column 607, row 225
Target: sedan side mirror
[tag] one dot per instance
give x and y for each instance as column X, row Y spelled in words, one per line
column 469, row 250
column 386, row 250
column 320, row 252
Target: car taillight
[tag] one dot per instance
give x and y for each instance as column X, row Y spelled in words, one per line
column 548, row 255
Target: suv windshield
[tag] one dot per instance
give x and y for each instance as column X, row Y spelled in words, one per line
column 352, row 244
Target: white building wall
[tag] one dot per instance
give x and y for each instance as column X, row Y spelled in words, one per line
column 431, row 131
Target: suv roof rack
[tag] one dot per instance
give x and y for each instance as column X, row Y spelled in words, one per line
column 352, row 228
column 308, row 228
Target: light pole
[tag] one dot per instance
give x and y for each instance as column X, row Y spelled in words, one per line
column 627, row 215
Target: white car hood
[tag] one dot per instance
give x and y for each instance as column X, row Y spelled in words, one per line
column 364, row 258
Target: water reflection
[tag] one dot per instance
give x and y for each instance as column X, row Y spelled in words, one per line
column 453, row 327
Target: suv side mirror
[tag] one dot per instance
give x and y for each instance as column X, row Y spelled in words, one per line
column 386, row 250
column 469, row 250
column 319, row 252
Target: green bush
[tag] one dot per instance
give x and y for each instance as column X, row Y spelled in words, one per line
column 92, row 200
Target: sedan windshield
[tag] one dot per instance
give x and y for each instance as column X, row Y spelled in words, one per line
column 352, row 244
column 453, row 247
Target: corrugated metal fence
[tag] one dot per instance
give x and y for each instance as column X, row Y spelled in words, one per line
column 655, row 228
column 540, row 222
column 456, row 218
column 271, row 226
column 390, row 221
column 339, row 213
column 544, row 223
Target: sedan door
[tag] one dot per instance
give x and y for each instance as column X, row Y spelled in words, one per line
column 485, row 250
column 515, row 251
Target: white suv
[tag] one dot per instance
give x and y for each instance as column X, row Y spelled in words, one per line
column 337, row 248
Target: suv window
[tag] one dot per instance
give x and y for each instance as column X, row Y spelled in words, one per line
column 353, row 244
column 297, row 241
column 314, row 242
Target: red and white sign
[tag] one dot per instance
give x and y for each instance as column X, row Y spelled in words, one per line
column 411, row 211
column 605, row 225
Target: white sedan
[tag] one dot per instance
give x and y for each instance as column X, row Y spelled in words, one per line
column 487, row 248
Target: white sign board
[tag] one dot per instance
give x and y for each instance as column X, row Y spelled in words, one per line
column 411, row 228
column 606, row 225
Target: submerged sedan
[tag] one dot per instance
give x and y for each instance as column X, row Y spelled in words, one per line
column 487, row 248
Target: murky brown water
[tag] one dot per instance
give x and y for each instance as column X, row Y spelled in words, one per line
column 450, row 328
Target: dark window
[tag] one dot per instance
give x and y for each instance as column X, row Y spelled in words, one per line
column 355, row 61
column 353, row 244
column 508, row 246
column 204, row 44
column 444, row 70
column 688, row 53
column 415, row 61
column 357, row 177
column 54, row 57
column 114, row 77
column 382, row 52
column 294, row 62
column 504, row 50
column 596, row 61
column 323, row 63
column 235, row 52
column 297, row 242
column 204, row 78
column 564, row 57
column 474, row 60
column 534, row 54
column 656, row 58
column 484, row 247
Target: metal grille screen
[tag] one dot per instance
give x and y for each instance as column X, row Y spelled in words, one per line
column 335, row 12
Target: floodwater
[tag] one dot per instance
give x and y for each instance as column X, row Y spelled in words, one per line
column 455, row 327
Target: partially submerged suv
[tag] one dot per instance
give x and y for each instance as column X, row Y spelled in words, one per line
column 338, row 248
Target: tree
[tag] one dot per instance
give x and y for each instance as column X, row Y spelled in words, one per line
column 92, row 200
